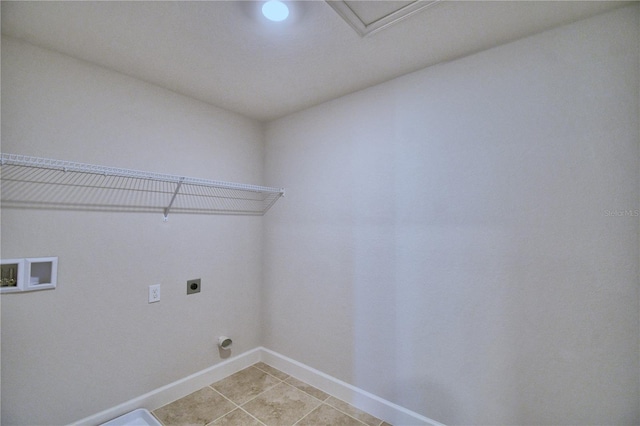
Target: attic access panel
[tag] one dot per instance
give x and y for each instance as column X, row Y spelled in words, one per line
column 368, row 17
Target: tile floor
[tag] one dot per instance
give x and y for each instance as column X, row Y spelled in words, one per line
column 262, row 395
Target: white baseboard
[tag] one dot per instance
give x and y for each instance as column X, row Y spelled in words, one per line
column 365, row 401
column 381, row 408
column 178, row 389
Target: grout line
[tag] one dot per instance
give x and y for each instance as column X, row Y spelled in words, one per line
column 282, row 381
column 307, row 394
column 279, row 381
column 255, row 396
column 306, row 415
column 381, row 421
column 265, row 371
column 331, row 406
column 290, row 384
column 235, row 406
column 223, row 395
column 347, row 414
column 251, row 415
column 318, row 399
column 310, row 411
column 265, row 390
column 301, row 381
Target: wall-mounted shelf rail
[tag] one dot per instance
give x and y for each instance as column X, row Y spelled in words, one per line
column 43, row 183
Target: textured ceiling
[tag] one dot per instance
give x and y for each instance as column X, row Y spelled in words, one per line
column 226, row 54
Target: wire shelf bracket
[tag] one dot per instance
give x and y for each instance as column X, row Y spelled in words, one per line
column 166, row 210
column 43, row 183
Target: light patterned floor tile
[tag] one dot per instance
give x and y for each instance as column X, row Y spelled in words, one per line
column 245, row 384
column 325, row 415
column 199, row 408
column 353, row 411
column 238, row 417
column 268, row 397
column 314, row 392
column 281, row 405
column 273, row 371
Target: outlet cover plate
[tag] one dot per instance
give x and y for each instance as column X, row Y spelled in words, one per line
column 193, row 286
column 154, row 293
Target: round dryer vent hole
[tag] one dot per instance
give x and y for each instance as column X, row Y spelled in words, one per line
column 224, row 342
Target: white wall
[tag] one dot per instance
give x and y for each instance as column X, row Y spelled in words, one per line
column 446, row 240
column 95, row 342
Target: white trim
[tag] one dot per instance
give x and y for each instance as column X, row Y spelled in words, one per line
column 178, row 389
column 363, row 28
column 357, row 397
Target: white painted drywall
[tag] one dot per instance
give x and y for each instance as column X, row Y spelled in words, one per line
column 450, row 240
column 95, row 342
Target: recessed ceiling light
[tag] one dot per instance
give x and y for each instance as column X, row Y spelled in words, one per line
column 275, row 10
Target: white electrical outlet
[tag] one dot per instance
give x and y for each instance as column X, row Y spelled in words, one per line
column 154, row 293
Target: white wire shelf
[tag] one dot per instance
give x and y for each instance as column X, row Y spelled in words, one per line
column 44, row 183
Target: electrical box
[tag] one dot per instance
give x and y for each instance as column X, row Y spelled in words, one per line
column 193, row 286
column 28, row 274
column 11, row 273
column 41, row 273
